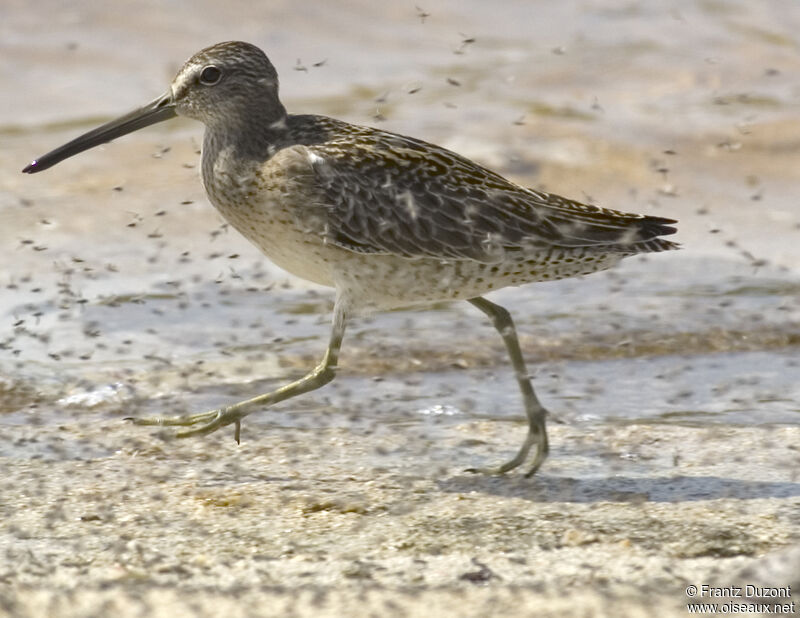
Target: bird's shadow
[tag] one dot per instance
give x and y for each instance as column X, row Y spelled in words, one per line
column 544, row 488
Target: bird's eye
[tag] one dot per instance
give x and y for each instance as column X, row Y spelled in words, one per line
column 210, row 75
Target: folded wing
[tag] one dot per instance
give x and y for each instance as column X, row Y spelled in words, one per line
column 396, row 195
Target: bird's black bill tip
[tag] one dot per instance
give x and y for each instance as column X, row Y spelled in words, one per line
column 158, row 110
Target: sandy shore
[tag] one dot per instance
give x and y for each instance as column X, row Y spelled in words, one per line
column 295, row 523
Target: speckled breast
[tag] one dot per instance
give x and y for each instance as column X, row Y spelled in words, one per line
column 269, row 205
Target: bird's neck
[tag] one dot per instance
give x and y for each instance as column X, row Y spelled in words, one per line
column 233, row 152
column 243, row 140
column 254, row 135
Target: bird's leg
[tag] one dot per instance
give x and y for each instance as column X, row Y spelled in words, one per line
column 211, row 421
column 537, row 434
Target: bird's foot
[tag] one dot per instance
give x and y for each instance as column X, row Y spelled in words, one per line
column 202, row 424
column 537, row 435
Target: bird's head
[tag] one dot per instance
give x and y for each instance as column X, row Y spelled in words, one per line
column 222, row 83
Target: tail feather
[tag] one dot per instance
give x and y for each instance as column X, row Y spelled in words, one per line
column 657, row 226
column 650, row 229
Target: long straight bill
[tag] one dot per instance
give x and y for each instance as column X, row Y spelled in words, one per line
column 160, row 109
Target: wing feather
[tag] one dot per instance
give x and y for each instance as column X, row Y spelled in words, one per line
column 386, row 193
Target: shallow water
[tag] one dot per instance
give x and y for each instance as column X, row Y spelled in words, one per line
column 124, row 294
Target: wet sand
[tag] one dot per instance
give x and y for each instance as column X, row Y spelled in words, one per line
column 672, row 379
column 107, row 521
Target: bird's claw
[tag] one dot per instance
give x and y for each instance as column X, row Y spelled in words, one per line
column 536, row 436
column 206, row 422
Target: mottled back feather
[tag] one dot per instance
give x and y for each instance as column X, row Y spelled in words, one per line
column 386, row 193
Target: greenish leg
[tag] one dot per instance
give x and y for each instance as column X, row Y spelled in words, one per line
column 537, row 434
column 209, row 422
